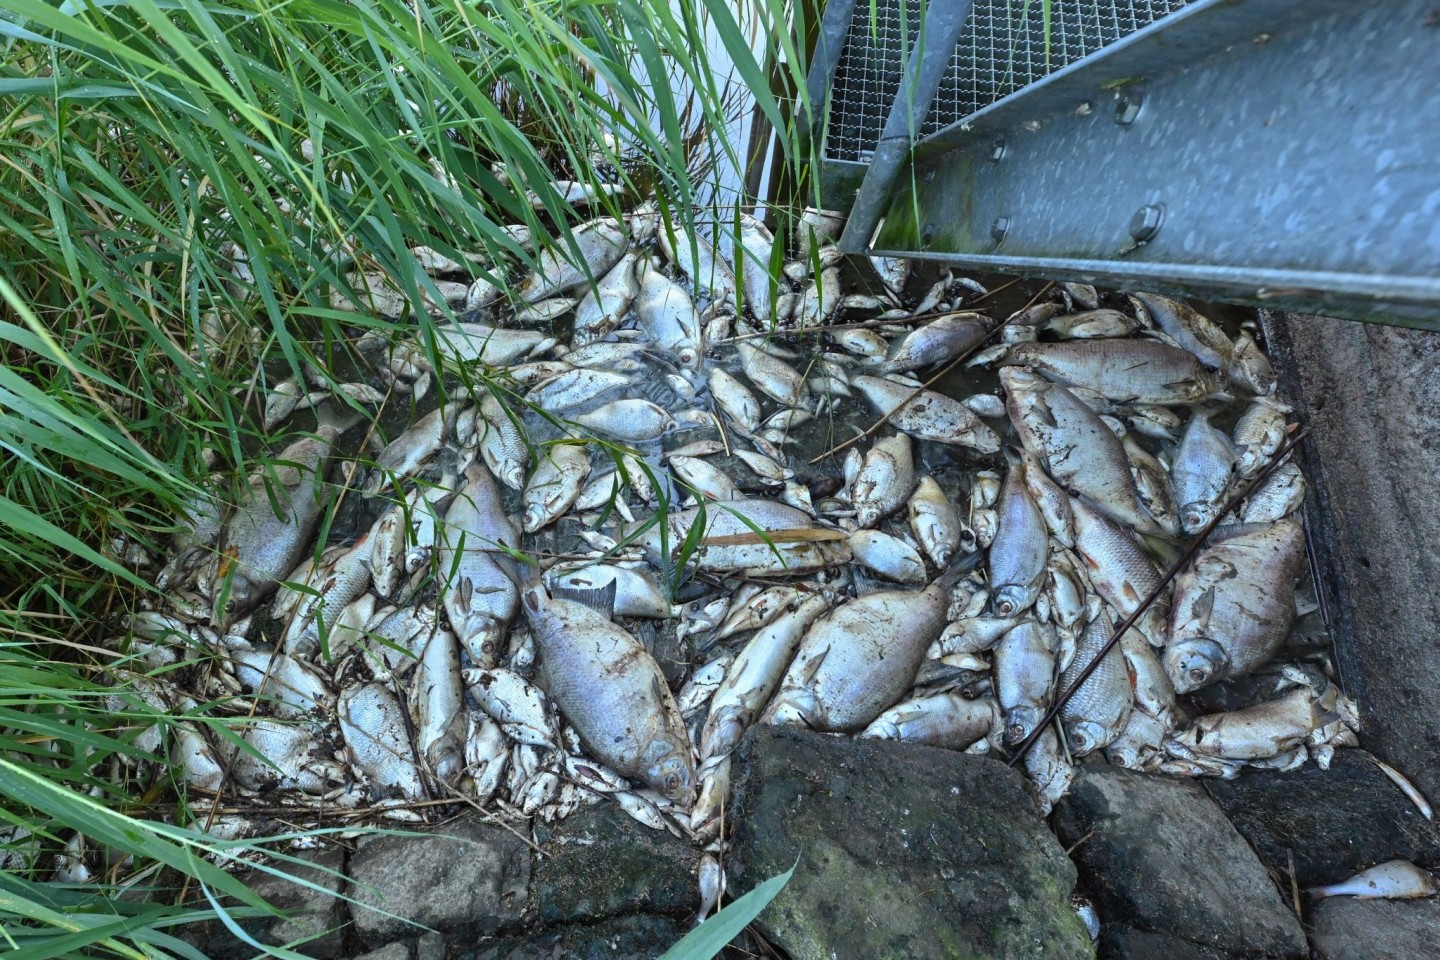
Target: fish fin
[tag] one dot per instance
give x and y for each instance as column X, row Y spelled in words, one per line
column 958, row 570
column 600, row 599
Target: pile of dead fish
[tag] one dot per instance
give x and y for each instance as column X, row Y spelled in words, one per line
column 589, row 575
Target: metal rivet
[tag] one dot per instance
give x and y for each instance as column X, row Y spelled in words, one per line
column 1000, row 228
column 1147, row 222
column 997, row 150
column 1129, row 107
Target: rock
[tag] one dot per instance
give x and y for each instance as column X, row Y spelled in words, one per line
column 1343, row 928
column 1127, row 943
column 391, row 951
column 1336, row 822
column 315, row 916
column 904, row 851
column 600, row 862
column 624, row 938
column 431, row 946
column 1371, row 396
column 1161, row 857
column 469, row 878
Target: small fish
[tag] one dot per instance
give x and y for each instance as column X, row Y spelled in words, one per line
column 599, row 245
column 1025, row 677
column 1392, row 880
column 885, row 480
column 934, row 522
column 1021, row 547
column 1097, row 712
column 1201, row 473
column 376, row 742
column 945, row 720
column 928, row 415
column 939, row 341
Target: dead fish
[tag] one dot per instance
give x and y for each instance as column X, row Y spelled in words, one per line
column 1250, row 368
column 1201, row 473
column 554, row 485
column 1020, row 549
column 939, row 341
column 479, row 592
column 787, row 540
column 1392, row 880
column 928, row 415
column 668, row 317
column 773, row 377
column 1092, row 323
column 888, row 556
column 613, row 693
column 934, row 522
column 885, row 480
column 502, row 444
column 1308, row 714
column 755, row 250
column 946, row 720
column 632, row 420
column 1119, row 569
column 265, row 538
column 602, row 309
column 1260, row 431
column 1184, row 325
column 1278, row 497
column 860, row 658
column 1080, row 452
column 1096, row 714
column 1050, row 770
column 575, row 388
column 708, row 272
column 1152, row 483
column 1234, row 605
column 436, row 704
column 734, row 400
column 597, row 247
column 1025, row 677
column 755, row 674
column 376, row 742
column 1122, row 371
column 519, row 707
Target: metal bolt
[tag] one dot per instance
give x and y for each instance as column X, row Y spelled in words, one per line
column 1129, row 107
column 1147, row 222
column 997, row 150
column 1000, row 228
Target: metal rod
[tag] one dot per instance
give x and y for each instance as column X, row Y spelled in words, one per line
column 929, row 59
column 1165, row 581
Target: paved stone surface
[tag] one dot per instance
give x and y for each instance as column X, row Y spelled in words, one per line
column 1160, row 857
column 1336, row 822
column 314, row 916
column 469, row 878
column 625, row 938
column 1343, row 928
column 1371, row 395
column 904, row 851
column 599, row 862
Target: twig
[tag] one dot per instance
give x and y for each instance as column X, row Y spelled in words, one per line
column 928, row 383
column 1154, row 594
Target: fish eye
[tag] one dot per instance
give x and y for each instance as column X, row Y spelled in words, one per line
column 1197, row 675
column 672, row 781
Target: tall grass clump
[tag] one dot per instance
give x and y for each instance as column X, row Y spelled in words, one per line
column 183, row 186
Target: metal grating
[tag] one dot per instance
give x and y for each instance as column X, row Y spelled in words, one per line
column 1001, row 49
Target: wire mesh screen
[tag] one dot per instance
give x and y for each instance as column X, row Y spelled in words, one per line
column 1002, row 48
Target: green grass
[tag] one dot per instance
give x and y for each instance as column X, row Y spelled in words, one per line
column 142, row 144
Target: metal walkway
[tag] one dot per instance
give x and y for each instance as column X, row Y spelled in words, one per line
column 1284, row 153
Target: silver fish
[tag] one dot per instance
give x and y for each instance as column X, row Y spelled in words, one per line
column 734, row 400
column 773, row 377
column 755, row 674
column 1050, row 770
column 575, row 388
column 632, row 420
column 1234, row 605
column 1392, row 880
column 520, row 708
column 1278, row 497
column 1080, row 452
column 754, row 250
column 668, row 317
column 1187, row 328
column 1201, row 473
column 1122, row 371
column 886, row 478
column 1092, row 323
column 939, row 341
column 859, row 659
column 708, row 272
column 479, row 594
column 437, row 701
column 601, row 310
column 945, row 720
column 1021, row 547
column 888, row 556
column 613, row 693
column 934, row 522
column 929, row 415
column 729, row 540
column 262, row 542
column 1097, row 712
column 600, row 244
column 1025, row 677
column 1260, row 431
column 554, row 485
column 1119, row 569
column 1250, row 368
column 372, row 723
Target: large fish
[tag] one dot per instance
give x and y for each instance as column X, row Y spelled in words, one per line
column 479, row 593
column 272, row 524
column 1079, row 450
column 1123, row 371
column 613, row 693
column 1234, row 605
